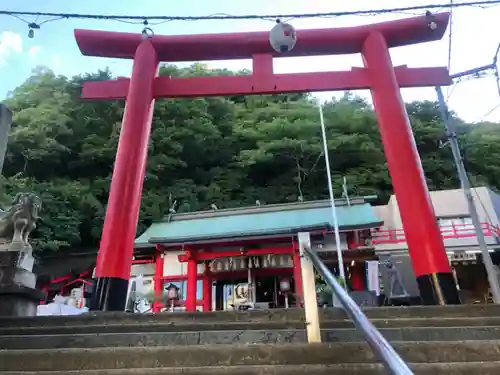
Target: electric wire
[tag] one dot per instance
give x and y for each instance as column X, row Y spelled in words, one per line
column 488, row 113
column 451, row 90
column 221, row 16
column 450, row 36
column 450, row 45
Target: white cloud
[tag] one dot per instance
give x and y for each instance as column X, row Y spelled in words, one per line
column 10, row 42
column 33, row 52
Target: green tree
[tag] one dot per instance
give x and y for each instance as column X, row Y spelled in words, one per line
column 230, row 152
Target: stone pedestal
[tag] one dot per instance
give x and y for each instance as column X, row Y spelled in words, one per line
column 18, row 293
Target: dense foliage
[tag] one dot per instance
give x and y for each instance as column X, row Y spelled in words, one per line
column 224, row 151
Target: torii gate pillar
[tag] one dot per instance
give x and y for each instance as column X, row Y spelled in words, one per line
column 116, row 248
column 434, row 277
column 427, row 252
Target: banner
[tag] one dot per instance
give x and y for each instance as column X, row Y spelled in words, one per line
column 372, row 276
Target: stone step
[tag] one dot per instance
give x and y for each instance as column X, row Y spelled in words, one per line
column 276, row 315
column 165, row 326
column 141, row 339
column 462, row 368
column 239, row 355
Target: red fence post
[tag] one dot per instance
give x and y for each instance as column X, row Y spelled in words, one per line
column 423, row 235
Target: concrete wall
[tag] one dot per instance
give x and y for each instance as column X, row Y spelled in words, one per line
column 327, row 243
column 446, row 203
column 385, row 213
column 495, row 201
column 142, row 269
column 172, row 266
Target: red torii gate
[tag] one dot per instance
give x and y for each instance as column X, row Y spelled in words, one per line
column 427, row 251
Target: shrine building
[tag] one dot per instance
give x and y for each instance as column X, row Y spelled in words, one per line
column 219, row 259
column 224, row 258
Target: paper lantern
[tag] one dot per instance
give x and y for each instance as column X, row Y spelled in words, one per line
column 282, row 37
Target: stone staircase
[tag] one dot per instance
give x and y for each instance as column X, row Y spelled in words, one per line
column 454, row 340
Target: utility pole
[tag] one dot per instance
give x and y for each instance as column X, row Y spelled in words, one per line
column 451, row 136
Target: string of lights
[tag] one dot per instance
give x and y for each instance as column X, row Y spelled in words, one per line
column 221, row 16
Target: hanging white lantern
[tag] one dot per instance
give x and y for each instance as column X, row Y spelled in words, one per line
column 282, row 37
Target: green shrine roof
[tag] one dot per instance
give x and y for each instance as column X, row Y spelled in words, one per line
column 278, row 219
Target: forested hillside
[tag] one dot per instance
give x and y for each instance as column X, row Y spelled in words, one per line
column 227, row 151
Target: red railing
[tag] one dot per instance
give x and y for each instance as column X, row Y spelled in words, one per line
column 388, row 236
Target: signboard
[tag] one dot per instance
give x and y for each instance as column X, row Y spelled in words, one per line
column 244, row 263
column 462, row 256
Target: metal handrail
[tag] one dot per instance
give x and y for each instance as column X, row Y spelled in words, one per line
column 382, row 349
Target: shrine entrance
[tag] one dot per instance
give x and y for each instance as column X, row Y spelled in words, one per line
column 427, row 252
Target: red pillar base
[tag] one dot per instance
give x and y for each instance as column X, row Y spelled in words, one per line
column 110, row 294
column 431, row 286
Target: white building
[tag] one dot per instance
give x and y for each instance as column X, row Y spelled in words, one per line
column 450, row 207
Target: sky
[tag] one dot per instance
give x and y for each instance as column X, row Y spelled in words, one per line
column 473, row 41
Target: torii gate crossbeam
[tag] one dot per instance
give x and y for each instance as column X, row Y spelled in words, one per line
column 427, row 252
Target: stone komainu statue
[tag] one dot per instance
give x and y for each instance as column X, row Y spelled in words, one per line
column 18, row 221
column 18, row 293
